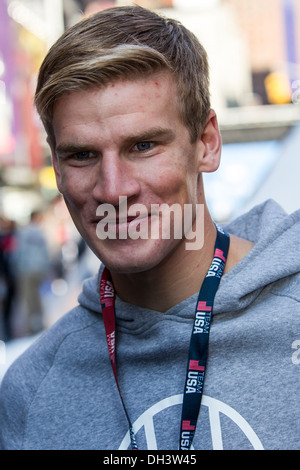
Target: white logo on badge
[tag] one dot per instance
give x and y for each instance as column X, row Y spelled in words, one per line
column 215, row 407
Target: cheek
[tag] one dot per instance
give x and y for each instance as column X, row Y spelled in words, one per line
column 75, row 191
column 176, row 183
column 74, row 181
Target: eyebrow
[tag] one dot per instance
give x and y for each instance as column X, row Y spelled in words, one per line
column 152, row 134
column 70, row 148
column 156, row 133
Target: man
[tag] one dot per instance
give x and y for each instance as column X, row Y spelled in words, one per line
column 32, row 263
column 124, row 99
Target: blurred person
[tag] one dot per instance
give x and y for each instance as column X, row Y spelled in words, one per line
column 124, row 98
column 32, row 267
column 7, row 274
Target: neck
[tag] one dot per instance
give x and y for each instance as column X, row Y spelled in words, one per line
column 177, row 278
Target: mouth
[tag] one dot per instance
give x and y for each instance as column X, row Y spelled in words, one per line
column 122, row 227
column 120, row 220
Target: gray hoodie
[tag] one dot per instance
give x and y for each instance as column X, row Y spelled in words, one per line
column 61, row 393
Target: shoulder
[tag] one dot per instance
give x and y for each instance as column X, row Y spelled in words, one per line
column 42, row 352
column 24, row 377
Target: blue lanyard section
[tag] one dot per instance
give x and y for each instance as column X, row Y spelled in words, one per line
column 198, row 352
column 198, row 345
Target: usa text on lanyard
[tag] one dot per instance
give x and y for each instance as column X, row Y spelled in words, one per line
column 198, row 351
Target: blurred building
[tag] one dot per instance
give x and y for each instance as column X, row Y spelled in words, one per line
column 272, row 31
column 262, row 35
column 27, row 29
column 214, row 23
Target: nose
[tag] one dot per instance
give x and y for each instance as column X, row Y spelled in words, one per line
column 116, row 178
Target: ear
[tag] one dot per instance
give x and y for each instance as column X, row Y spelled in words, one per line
column 56, row 167
column 211, row 144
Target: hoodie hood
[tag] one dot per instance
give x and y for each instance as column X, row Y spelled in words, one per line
column 275, row 257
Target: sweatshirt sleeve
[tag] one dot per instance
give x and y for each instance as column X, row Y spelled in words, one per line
column 13, row 409
column 18, row 390
column 24, row 377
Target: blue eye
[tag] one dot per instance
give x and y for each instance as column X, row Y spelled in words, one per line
column 82, row 155
column 143, row 146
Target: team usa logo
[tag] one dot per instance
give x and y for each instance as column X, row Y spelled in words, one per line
column 194, row 385
column 187, row 434
column 202, row 318
column 106, row 291
column 217, row 265
column 107, row 296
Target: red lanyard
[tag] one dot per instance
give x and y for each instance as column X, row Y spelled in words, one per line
column 198, row 351
column 107, row 299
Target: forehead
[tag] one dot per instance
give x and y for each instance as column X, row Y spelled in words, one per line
column 137, row 100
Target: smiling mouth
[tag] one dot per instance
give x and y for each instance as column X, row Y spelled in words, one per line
column 122, row 228
column 121, row 220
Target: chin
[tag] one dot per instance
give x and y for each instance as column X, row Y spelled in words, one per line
column 129, row 266
column 133, row 257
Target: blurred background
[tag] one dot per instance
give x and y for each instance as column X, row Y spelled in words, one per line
column 254, row 52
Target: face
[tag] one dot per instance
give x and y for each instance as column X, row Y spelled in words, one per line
column 125, row 140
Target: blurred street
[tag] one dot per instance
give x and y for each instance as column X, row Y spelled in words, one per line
column 256, row 170
column 282, row 180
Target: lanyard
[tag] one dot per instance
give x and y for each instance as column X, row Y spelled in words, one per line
column 107, row 299
column 198, row 351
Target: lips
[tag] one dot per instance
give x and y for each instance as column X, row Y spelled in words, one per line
column 119, row 221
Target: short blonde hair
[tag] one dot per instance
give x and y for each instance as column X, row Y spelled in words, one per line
column 126, row 42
